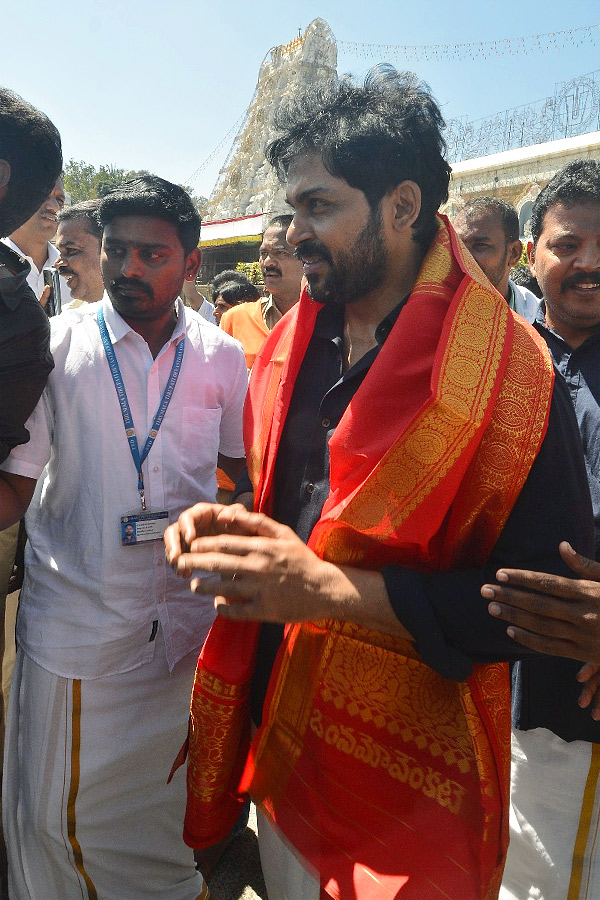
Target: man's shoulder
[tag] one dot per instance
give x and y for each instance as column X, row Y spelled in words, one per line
column 73, row 328
column 208, row 338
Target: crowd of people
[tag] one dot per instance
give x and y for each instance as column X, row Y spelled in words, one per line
column 314, row 541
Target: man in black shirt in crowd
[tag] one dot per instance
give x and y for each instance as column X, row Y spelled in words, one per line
column 30, row 162
column 556, row 744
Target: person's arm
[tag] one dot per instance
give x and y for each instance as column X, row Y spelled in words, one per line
column 443, row 612
column 16, row 492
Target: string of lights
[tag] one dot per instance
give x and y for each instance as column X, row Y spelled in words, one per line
column 552, row 40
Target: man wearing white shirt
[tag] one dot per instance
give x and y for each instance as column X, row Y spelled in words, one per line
column 107, row 636
column 32, row 241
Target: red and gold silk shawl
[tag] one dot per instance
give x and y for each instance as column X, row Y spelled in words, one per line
column 383, row 776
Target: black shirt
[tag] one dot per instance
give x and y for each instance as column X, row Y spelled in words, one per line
column 25, row 358
column 580, row 368
column 444, row 612
column 544, row 688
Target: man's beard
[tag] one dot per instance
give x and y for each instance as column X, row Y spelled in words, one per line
column 356, row 272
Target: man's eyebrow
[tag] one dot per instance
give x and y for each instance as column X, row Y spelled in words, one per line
column 308, row 193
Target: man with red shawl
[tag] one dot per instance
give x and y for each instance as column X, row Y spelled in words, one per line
column 405, row 438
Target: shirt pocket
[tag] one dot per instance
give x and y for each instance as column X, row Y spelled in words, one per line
column 200, row 437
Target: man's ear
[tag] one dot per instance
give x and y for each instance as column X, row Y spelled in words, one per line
column 406, row 204
column 192, row 264
column 531, row 257
column 515, row 248
column 4, row 176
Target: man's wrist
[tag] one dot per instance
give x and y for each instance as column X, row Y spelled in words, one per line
column 360, row 596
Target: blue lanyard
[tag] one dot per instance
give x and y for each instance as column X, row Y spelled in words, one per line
column 124, row 402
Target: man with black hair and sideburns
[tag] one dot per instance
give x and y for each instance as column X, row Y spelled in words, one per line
column 144, row 400
column 404, row 433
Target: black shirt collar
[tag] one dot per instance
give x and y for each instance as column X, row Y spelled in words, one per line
column 540, row 323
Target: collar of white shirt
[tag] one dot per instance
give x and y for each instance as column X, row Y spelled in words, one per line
column 118, row 327
column 50, row 259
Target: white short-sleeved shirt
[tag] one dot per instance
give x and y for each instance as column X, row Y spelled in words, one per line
column 88, row 604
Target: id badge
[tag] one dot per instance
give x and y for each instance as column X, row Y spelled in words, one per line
column 142, row 527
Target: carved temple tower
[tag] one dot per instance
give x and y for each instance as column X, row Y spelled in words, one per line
column 247, row 185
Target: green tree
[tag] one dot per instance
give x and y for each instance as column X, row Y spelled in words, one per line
column 84, row 182
column 252, row 271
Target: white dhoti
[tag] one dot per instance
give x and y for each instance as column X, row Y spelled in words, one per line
column 554, row 819
column 87, row 810
column 285, row 877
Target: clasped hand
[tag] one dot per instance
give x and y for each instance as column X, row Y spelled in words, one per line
column 256, row 568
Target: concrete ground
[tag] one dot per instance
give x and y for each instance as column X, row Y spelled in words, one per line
column 238, row 875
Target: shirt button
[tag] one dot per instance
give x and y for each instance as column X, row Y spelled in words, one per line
column 155, row 469
column 310, row 488
column 325, row 423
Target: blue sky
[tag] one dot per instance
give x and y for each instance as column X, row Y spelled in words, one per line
column 152, row 85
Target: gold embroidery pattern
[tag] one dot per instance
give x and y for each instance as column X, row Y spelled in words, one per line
column 418, row 462
column 218, row 716
column 400, row 696
column 497, row 473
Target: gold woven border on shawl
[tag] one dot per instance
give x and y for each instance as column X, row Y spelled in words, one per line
column 217, row 711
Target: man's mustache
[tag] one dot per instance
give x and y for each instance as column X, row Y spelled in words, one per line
column 133, row 283
column 581, row 278
column 272, row 270
column 308, row 249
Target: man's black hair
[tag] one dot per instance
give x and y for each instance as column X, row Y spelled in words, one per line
column 87, row 212
column 505, row 212
column 234, row 292
column 283, row 221
column 149, row 195
column 577, row 182
column 228, row 275
column 373, row 136
column 30, row 143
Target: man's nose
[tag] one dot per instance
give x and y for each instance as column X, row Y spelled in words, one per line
column 298, row 230
column 132, row 266
column 588, row 257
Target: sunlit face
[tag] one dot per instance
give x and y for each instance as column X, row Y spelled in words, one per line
column 484, row 237
column 566, row 263
column 79, row 260
column 280, row 269
column 144, row 265
column 335, row 233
